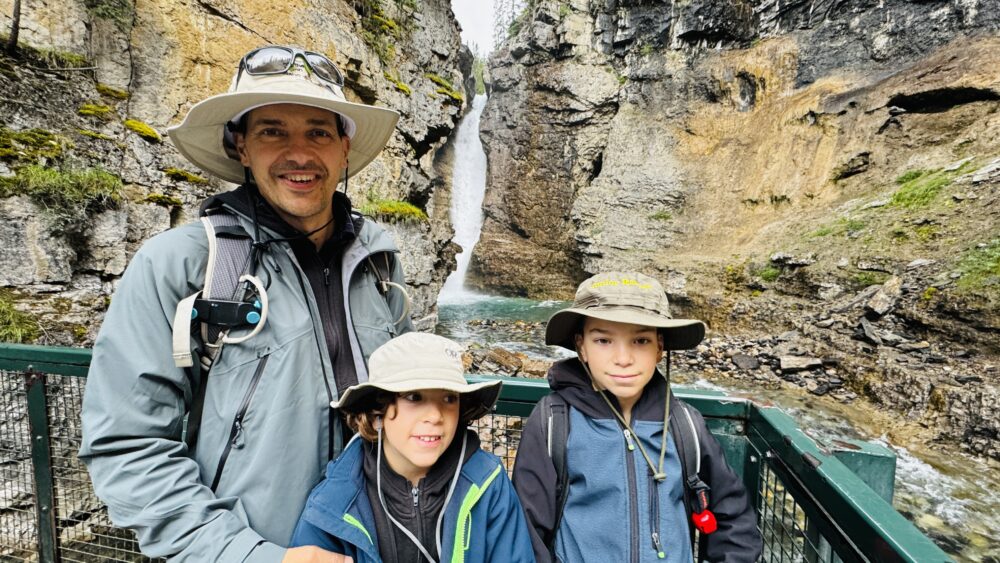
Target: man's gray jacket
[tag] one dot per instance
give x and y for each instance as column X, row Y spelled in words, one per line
column 136, row 400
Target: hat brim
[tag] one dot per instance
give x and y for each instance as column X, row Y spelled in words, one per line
column 476, row 399
column 679, row 334
column 199, row 136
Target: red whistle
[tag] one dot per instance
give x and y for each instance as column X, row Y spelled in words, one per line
column 705, row 522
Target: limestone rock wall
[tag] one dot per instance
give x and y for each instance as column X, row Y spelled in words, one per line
column 608, row 118
column 168, row 55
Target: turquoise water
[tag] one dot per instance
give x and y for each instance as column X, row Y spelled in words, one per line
column 953, row 498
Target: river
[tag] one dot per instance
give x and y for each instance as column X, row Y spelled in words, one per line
column 949, row 495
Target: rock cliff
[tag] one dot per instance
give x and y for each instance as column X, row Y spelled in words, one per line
column 88, row 66
column 768, row 161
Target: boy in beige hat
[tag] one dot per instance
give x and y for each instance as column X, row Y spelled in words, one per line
column 413, row 485
column 587, row 470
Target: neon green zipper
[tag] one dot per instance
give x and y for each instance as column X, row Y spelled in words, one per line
column 463, row 528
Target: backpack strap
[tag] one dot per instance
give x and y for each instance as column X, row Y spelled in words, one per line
column 217, row 308
column 696, row 491
column 555, row 426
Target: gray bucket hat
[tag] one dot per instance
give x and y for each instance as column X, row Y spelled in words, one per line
column 623, row 297
column 414, row 361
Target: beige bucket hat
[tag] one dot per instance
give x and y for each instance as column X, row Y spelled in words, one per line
column 623, row 297
column 200, row 136
column 414, row 361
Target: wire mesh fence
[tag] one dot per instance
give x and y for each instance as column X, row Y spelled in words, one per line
column 78, row 529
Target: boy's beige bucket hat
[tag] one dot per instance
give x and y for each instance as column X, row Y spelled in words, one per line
column 414, row 361
column 623, row 297
column 200, row 136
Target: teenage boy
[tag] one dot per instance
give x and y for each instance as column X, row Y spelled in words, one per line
column 414, row 485
column 624, row 473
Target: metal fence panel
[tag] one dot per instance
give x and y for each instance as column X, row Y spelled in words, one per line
column 811, row 508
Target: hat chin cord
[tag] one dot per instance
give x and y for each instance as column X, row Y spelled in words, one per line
column 447, row 498
column 657, row 470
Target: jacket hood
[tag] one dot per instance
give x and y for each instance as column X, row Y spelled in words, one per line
column 569, row 378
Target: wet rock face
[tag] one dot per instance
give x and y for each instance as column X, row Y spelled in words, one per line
column 165, row 57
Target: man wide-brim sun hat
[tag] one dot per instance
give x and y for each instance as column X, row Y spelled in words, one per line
column 625, row 298
column 200, row 136
column 416, row 361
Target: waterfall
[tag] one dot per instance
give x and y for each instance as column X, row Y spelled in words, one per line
column 468, row 185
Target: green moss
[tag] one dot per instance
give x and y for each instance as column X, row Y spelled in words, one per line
column 769, row 273
column 929, row 293
column 72, row 196
column 980, row 267
column 94, row 135
column 646, row 49
column 398, row 83
column 15, row 326
column 735, row 275
column 30, row 145
column 439, row 80
column 164, row 200
column 62, row 305
column 865, row 279
column 54, row 58
column 926, row 233
column 450, row 94
column 564, row 11
column 118, row 11
column 661, row 215
column 79, row 333
column 112, row 92
column 393, row 210
column 143, row 130
column 909, row 176
column 919, row 188
column 95, row 110
column 184, row 176
column 842, row 226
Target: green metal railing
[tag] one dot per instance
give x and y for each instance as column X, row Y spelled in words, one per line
column 815, row 502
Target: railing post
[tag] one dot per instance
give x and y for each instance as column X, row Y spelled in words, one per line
column 41, row 462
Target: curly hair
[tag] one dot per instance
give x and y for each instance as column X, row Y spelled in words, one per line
column 364, row 422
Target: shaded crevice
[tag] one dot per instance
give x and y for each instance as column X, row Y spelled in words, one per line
column 429, row 141
column 942, row 99
column 229, row 18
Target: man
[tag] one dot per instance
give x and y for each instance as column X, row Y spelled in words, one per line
column 324, row 289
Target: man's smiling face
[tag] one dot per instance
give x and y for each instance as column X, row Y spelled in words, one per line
column 297, row 158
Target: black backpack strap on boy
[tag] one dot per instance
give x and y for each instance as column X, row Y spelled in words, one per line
column 555, row 427
column 696, row 491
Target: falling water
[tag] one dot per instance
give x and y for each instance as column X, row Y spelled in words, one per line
column 468, row 186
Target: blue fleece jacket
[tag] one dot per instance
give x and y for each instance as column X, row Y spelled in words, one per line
column 483, row 522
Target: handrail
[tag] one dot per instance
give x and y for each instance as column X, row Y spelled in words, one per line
column 854, row 519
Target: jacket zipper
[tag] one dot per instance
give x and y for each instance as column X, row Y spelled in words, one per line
column 415, row 493
column 633, row 494
column 654, row 517
column 235, row 433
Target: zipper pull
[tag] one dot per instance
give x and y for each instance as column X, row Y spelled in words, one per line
column 326, row 276
column 416, row 494
column 238, row 436
column 628, row 440
column 658, row 546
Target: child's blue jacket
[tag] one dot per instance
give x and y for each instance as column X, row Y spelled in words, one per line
column 483, row 521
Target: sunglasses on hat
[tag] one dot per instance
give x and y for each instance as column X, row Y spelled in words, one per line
column 278, row 59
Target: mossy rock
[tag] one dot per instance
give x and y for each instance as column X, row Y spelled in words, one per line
column 16, row 326
column 143, row 130
column 30, row 145
column 95, row 110
column 393, row 210
column 112, row 92
column 451, row 95
column 184, row 176
column 95, row 135
column 402, row 87
column 164, row 200
column 71, row 196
